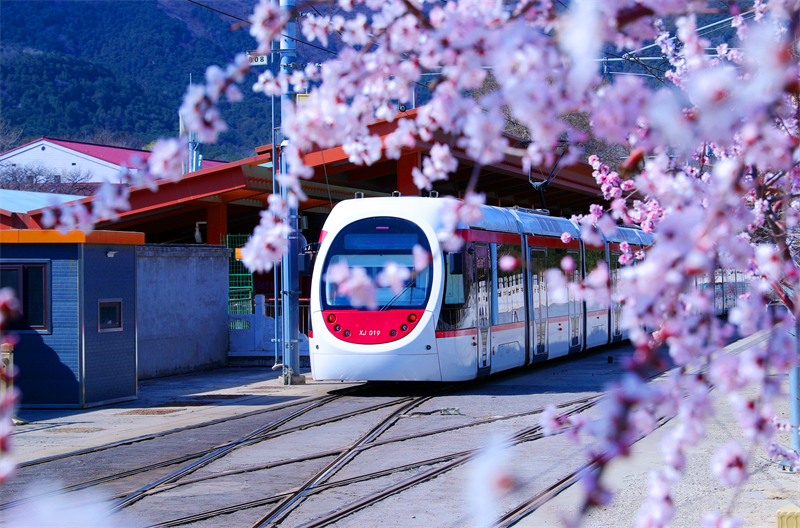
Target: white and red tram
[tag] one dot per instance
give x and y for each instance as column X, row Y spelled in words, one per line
column 463, row 317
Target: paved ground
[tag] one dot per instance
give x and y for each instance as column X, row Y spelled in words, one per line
column 163, row 404
column 768, row 488
column 170, row 403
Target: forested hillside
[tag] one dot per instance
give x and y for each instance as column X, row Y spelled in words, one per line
column 76, row 69
column 69, row 68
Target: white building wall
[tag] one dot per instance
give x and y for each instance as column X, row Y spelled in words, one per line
column 46, row 154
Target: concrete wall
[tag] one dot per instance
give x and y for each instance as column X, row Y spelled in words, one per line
column 182, row 308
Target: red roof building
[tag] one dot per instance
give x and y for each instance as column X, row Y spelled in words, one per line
column 99, row 162
column 226, row 198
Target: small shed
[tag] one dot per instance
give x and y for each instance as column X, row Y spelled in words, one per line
column 76, row 335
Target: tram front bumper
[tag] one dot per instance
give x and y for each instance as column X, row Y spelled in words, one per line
column 376, row 367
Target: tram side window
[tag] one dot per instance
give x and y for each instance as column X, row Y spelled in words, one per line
column 594, row 258
column 510, row 295
column 554, row 257
column 458, row 310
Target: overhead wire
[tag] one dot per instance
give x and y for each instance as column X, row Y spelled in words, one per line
column 248, row 22
column 701, row 32
column 321, row 151
column 630, row 56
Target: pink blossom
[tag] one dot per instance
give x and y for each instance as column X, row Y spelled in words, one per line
column 551, row 420
column 508, row 262
column 566, row 237
column 717, row 520
column 267, row 245
column 338, row 273
column 403, row 136
column 557, row 285
column 435, row 167
column 200, row 116
column 359, row 289
column 421, row 258
column 167, row 158
column 659, row 509
column 394, row 276
column 363, row 150
column 729, row 464
column 315, row 28
column 266, row 21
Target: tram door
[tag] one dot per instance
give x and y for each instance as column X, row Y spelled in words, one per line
column 576, row 319
column 538, row 301
column 483, row 281
column 616, row 306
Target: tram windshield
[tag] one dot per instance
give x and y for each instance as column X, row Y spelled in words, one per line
column 371, row 244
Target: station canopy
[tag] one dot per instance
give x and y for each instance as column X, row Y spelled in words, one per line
column 227, row 198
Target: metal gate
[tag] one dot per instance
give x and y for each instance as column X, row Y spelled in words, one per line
column 240, row 281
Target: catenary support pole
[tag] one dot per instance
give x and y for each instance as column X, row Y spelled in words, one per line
column 291, row 277
column 275, row 277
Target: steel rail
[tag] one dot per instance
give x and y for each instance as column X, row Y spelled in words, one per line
column 335, row 452
column 191, row 456
column 153, row 436
column 207, row 459
column 531, row 433
column 277, row 513
column 527, row 434
column 529, row 506
column 143, row 438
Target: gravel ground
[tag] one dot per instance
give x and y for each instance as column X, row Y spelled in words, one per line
column 756, row 504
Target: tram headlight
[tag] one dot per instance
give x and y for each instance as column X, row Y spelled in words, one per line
column 331, row 318
column 337, row 328
column 412, row 318
column 404, row 327
column 393, row 333
column 347, row 333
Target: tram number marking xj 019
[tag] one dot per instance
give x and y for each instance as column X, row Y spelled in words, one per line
column 369, row 332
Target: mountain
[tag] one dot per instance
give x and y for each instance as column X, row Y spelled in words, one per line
column 71, row 68
column 79, row 69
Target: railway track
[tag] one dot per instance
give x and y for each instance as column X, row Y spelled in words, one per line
column 196, row 459
column 190, row 462
column 285, row 501
column 352, row 473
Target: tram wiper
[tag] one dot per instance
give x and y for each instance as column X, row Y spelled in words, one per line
column 411, row 284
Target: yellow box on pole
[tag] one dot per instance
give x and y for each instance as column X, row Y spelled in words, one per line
column 789, row 516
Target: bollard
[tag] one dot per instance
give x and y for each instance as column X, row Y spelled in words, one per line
column 7, row 367
column 7, row 380
column 789, row 516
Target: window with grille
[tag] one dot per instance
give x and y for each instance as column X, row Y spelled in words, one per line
column 30, row 282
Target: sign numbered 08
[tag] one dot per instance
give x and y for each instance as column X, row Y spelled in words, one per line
column 257, row 60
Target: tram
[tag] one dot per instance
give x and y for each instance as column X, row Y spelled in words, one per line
column 463, row 316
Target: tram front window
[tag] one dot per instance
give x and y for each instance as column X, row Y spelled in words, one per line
column 371, row 244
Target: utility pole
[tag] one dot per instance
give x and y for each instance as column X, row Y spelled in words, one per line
column 290, row 268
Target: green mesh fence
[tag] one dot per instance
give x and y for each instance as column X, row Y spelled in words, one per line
column 240, row 281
